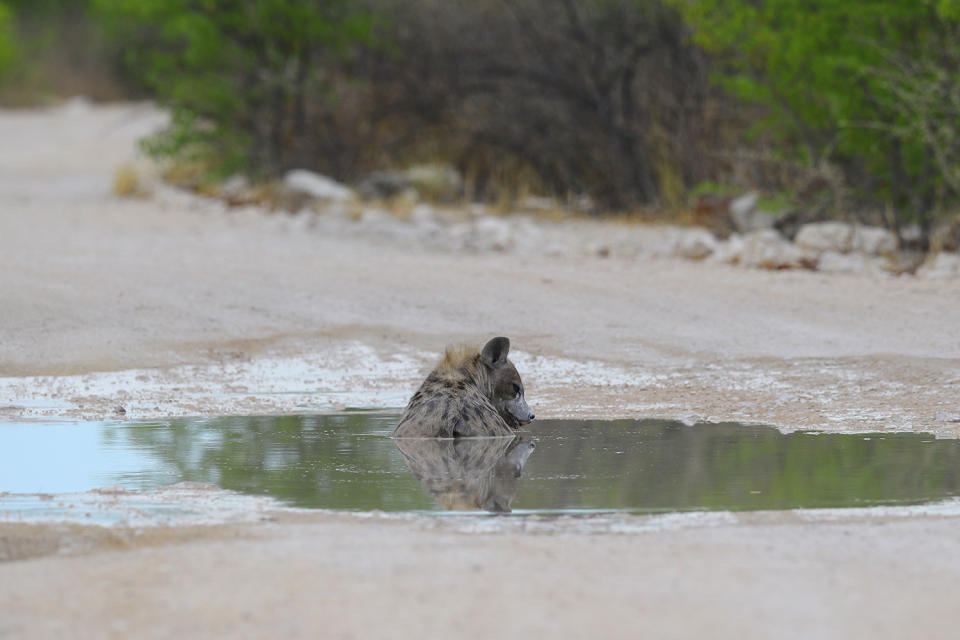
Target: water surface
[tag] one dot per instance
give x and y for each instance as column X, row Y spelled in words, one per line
column 348, row 461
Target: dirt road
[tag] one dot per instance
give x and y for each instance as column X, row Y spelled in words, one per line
column 171, row 305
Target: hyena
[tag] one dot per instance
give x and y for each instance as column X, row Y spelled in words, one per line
column 463, row 474
column 469, row 394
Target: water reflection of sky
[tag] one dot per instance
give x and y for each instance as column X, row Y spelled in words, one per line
column 60, row 457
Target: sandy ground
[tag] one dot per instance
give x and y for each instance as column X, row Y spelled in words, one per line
column 172, row 305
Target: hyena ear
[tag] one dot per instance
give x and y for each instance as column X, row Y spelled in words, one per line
column 494, row 353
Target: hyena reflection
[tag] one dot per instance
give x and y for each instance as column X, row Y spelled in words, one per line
column 468, row 473
column 469, row 394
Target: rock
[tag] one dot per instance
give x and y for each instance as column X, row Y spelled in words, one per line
column 423, row 214
column 941, row 266
column 490, row 233
column 314, row 185
column 788, row 223
column 237, row 191
column 834, row 262
column 840, row 237
column 745, row 204
column 755, row 221
column 874, row 241
column 825, row 236
column 694, row 244
column 729, row 251
column 911, row 234
column 744, row 216
column 945, row 416
column 725, row 215
column 767, row 250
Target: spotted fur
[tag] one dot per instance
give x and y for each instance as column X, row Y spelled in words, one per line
column 466, row 395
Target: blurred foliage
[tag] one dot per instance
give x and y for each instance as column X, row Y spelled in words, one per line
column 848, row 108
column 58, row 51
column 241, row 77
column 517, row 94
column 825, row 73
column 8, row 48
column 605, row 98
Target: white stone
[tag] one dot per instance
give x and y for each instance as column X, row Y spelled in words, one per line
column 423, row 214
column 767, row 250
column 316, row 186
column 754, row 221
column 730, row 251
column 818, row 237
column 834, row 262
column 694, row 244
column 912, row 233
column 874, row 241
column 745, row 204
column 491, row 233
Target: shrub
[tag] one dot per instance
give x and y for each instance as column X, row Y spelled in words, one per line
column 8, row 49
column 863, row 94
column 241, row 77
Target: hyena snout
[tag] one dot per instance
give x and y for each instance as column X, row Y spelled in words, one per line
column 518, row 409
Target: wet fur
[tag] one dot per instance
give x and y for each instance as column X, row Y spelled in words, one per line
column 457, row 399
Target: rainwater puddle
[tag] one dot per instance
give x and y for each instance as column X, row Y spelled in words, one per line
column 348, row 461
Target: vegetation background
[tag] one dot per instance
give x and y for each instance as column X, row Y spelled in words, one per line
column 831, row 108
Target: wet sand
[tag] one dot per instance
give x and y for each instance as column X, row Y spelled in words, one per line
column 172, row 306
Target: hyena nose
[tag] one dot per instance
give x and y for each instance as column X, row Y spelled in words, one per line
column 531, row 417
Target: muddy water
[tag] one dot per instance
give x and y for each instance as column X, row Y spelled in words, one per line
column 348, row 461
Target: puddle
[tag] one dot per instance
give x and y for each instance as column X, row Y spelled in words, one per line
column 348, row 461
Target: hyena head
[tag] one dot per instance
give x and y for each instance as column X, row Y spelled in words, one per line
column 505, row 384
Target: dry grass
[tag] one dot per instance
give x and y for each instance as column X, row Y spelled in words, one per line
column 128, row 182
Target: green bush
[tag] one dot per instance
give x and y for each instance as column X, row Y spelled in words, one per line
column 8, row 49
column 865, row 95
column 242, row 78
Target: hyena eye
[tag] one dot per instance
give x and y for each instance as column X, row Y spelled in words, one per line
column 516, row 389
